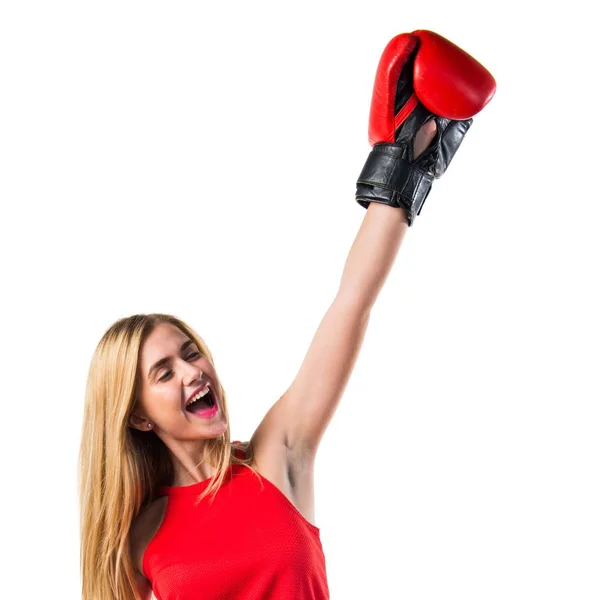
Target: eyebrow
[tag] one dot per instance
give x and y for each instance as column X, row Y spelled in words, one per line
column 163, row 361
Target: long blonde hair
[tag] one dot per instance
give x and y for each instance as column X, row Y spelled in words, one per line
column 121, row 468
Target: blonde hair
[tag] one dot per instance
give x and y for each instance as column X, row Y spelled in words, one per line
column 121, row 468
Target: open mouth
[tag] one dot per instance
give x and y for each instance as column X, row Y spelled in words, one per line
column 207, row 401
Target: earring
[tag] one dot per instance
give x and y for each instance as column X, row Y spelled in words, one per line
column 149, row 425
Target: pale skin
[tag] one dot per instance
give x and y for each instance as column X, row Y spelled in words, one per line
column 163, row 396
column 287, row 439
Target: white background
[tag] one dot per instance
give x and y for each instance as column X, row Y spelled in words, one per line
column 200, row 159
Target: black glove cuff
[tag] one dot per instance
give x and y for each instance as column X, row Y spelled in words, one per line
column 390, row 179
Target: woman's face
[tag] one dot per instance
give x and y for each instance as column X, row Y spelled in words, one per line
column 165, row 388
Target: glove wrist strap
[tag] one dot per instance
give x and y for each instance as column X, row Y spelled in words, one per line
column 388, row 178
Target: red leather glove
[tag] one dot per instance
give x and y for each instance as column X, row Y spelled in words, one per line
column 421, row 76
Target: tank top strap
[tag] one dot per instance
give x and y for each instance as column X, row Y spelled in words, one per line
column 238, row 452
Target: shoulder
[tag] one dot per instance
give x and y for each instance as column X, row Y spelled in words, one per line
column 143, row 528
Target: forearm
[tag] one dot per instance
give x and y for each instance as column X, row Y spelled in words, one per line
column 372, row 255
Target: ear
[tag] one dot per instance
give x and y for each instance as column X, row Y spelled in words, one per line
column 138, row 422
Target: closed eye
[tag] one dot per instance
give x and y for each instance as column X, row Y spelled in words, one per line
column 193, row 356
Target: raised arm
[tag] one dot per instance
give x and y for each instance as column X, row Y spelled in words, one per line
column 418, row 73
column 300, row 417
column 310, row 402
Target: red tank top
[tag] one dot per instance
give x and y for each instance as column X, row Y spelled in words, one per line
column 251, row 543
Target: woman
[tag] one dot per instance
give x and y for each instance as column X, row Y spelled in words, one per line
column 168, row 504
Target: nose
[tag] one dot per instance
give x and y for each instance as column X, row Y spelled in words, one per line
column 191, row 373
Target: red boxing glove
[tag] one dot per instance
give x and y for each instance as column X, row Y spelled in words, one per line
column 421, row 76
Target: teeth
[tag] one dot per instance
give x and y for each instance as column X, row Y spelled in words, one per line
column 199, row 395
